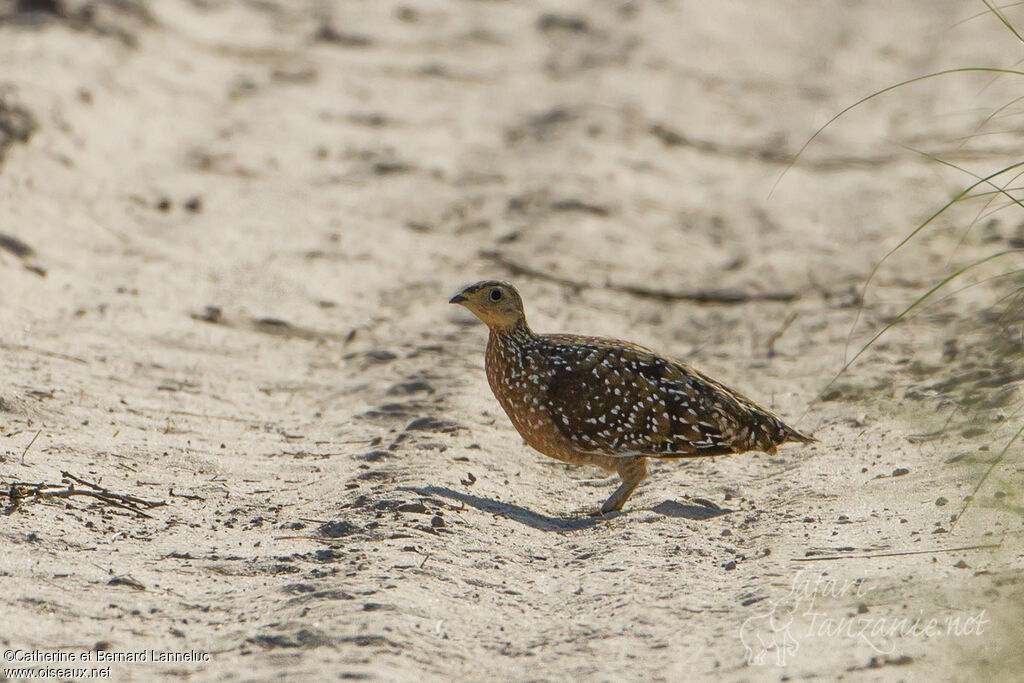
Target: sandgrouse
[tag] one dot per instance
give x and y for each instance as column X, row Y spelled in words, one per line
column 607, row 402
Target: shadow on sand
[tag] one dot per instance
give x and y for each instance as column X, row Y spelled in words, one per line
column 672, row 508
column 669, row 508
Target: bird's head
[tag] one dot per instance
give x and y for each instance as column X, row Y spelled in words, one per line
column 496, row 303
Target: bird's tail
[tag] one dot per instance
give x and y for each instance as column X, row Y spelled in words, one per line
column 774, row 432
column 799, row 437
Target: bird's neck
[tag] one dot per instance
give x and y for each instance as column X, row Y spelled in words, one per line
column 507, row 345
column 514, row 333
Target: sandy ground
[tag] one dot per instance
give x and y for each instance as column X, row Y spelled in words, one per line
column 243, row 221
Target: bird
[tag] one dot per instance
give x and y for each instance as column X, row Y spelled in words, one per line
column 610, row 403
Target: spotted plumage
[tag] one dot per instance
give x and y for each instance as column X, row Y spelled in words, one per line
column 607, row 402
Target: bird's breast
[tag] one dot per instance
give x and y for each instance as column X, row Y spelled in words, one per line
column 520, row 383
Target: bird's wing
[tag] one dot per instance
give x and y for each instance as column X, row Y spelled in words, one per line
column 621, row 399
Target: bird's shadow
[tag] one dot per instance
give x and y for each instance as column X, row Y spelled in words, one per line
column 669, row 508
column 673, row 508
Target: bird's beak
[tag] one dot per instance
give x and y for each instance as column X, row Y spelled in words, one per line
column 457, row 299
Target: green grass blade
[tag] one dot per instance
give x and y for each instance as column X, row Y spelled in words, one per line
column 906, row 311
column 999, row 15
column 999, row 189
column 981, row 482
column 985, row 13
column 874, row 271
column 936, row 74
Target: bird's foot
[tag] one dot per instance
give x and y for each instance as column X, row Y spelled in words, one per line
column 614, row 503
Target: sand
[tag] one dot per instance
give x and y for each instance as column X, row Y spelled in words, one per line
column 235, row 228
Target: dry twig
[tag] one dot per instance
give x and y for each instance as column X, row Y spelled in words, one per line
column 318, row 539
column 774, row 336
column 21, row 490
column 25, row 452
column 897, row 553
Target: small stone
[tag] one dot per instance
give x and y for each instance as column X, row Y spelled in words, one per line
column 210, row 314
column 561, row 22
column 328, row 34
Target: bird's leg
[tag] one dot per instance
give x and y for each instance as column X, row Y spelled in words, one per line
column 632, row 471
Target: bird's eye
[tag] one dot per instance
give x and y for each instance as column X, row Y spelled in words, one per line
column 495, row 295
